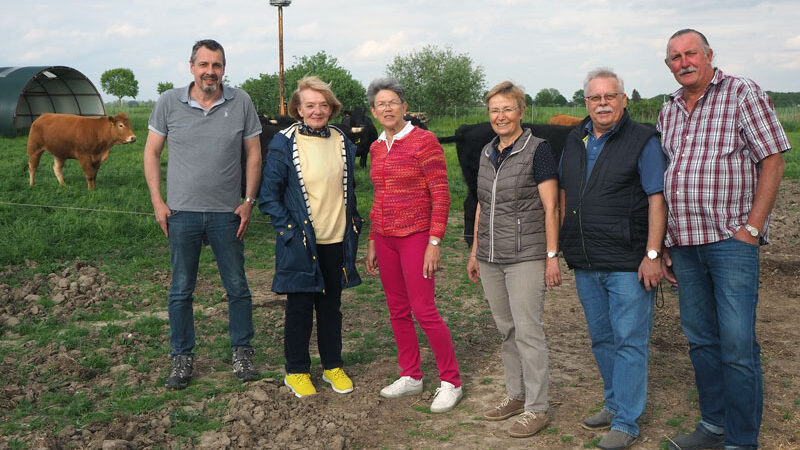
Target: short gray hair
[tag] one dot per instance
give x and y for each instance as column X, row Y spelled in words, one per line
column 387, row 83
column 703, row 41
column 602, row 72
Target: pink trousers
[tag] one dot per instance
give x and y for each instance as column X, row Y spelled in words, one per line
column 400, row 261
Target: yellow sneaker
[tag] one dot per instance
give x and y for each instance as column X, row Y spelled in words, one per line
column 338, row 380
column 300, row 384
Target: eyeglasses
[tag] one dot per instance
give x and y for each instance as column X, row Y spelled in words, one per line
column 380, row 106
column 505, row 111
column 610, row 97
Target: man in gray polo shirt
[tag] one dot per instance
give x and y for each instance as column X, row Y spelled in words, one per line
column 206, row 125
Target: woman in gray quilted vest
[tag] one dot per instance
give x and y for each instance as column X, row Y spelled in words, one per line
column 514, row 254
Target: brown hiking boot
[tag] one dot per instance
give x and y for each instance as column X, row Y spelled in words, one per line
column 507, row 408
column 529, row 423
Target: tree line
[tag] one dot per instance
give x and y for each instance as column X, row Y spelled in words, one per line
column 435, row 80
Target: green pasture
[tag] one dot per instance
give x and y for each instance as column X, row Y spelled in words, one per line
column 113, row 227
column 47, row 227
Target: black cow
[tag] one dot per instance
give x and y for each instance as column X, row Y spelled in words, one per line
column 360, row 130
column 470, row 140
column 270, row 126
column 417, row 119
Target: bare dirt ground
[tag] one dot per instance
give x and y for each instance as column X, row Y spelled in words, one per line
column 266, row 415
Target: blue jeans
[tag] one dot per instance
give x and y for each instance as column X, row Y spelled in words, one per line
column 619, row 313
column 718, row 289
column 186, row 232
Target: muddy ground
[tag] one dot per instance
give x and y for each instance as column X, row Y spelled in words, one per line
column 266, row 415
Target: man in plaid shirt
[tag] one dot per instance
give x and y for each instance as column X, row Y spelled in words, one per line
column 724, row 145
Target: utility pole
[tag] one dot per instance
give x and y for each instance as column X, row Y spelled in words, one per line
column 280, row 4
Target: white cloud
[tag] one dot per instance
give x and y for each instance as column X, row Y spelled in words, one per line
column 222, row 21
column 126, row 30
column 157, row 62
column 373, row 49
column 793, row 42
column 538, row 44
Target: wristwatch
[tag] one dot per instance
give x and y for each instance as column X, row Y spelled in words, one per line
column 753, row 230
column 653, row 255
column 434, row 241
column 250, row 200
column 552, row 254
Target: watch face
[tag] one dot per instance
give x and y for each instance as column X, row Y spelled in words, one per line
column 652, row 254
column 753, row 232
column 434, row 242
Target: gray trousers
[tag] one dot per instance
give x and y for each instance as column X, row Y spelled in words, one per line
column 515, row 293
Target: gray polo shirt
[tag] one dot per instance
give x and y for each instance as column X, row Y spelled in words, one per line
column 204, row 169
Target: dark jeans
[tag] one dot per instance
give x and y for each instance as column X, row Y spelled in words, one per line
column 718, row 289
column 186, row 232
column 299, row 319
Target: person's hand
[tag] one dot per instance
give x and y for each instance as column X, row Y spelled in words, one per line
column 666, row 268
column 552, row 273
column 243, row 211
column 371, row 260
column 743, row 235
column 431, row 262
column 162, row 211
column 473, row 269
column 650, row 272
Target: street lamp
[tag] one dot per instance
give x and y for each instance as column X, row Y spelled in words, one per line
column 280, row 4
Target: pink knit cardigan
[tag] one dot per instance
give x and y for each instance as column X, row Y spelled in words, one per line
column 410, row 186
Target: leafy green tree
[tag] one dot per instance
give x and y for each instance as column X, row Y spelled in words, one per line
column 577, row 97
column 265, row 93
column 164, row 86
column 646, row 110
column 349, row 91
column 784, row 99
column 635, row 97
column 549, row 97
column 528, row 100
column 265, row 90
column 119, row 83
column 435, row 79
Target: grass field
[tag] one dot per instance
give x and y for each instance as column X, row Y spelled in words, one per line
column 46, row 228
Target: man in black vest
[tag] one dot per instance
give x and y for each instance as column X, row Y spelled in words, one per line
column 613, row 221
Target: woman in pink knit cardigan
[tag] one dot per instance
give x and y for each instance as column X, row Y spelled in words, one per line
column 407, row 224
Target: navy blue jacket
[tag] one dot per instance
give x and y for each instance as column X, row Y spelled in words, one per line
column 296, row 265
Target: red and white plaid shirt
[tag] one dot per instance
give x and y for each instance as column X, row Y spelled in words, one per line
column 713, row 152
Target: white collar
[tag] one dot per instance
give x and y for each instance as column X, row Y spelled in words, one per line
column 403, row 133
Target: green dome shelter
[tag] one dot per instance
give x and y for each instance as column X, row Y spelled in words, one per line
column 27, row 92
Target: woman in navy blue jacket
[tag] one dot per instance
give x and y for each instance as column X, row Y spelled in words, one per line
column 309, row 191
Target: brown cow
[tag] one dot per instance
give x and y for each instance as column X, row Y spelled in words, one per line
column 565, row 120
column 67, row 136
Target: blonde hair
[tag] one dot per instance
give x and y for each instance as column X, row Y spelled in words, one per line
column 315, row 84
column 508, row 89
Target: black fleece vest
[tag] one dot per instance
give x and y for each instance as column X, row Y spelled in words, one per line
column 606, row 219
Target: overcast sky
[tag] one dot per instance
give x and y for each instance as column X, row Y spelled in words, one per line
column 539, row 44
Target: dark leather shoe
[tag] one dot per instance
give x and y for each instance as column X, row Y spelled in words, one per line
column 699, row 439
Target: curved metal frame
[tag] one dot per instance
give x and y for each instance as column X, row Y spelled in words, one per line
column 26, row 83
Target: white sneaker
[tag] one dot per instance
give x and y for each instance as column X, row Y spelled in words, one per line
column 446, row 398
column 401, row 387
